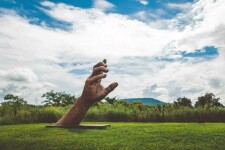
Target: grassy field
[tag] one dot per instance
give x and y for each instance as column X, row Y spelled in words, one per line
column 119, row 136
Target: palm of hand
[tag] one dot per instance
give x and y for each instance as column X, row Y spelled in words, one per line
column 94, row 93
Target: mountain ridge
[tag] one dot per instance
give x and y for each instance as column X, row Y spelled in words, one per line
column 146, row 101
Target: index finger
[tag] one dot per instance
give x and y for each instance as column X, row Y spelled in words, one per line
column 102, row 63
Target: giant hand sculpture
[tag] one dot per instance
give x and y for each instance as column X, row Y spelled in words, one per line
column 93, row 92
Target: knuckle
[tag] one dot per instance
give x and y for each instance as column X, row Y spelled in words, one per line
column 99, row 65
column 103, row 75
column 95, row 66
column 87, row 81
column 102, row 68
column 108, row 89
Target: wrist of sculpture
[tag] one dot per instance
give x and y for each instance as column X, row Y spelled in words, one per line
column 83, row 103
column 75, row 115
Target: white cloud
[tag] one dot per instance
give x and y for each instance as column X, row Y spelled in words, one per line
column 143, row 2
column 30, row 54
column 21, row 75
column 141, row 15
column 206, row 23
column 48, row 4
column 103, row 5
column 182, row 6
column 90, row 24
column 149, row 16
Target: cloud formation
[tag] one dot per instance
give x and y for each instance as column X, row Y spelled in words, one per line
column 144, row 2
column 182, row 6
column 103, row 5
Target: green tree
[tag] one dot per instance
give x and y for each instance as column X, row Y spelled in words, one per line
column 209, row 100
column 58, row 98
column 183, row 102
column 110, row 100
column 15, row 101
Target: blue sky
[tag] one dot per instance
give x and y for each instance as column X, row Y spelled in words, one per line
column 30, row 9
column 125, row 7
column 163, row 44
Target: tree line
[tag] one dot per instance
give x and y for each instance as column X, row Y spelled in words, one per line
column 207, row 108
column 208, row 100
column 63, row 99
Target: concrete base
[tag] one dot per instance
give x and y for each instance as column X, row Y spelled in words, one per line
column 81, row 126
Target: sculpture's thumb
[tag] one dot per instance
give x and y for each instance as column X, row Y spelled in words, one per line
column 111, row 87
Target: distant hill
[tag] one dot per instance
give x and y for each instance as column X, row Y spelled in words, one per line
column 146, row 101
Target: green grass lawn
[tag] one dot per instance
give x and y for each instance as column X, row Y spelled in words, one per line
column 119, row 136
